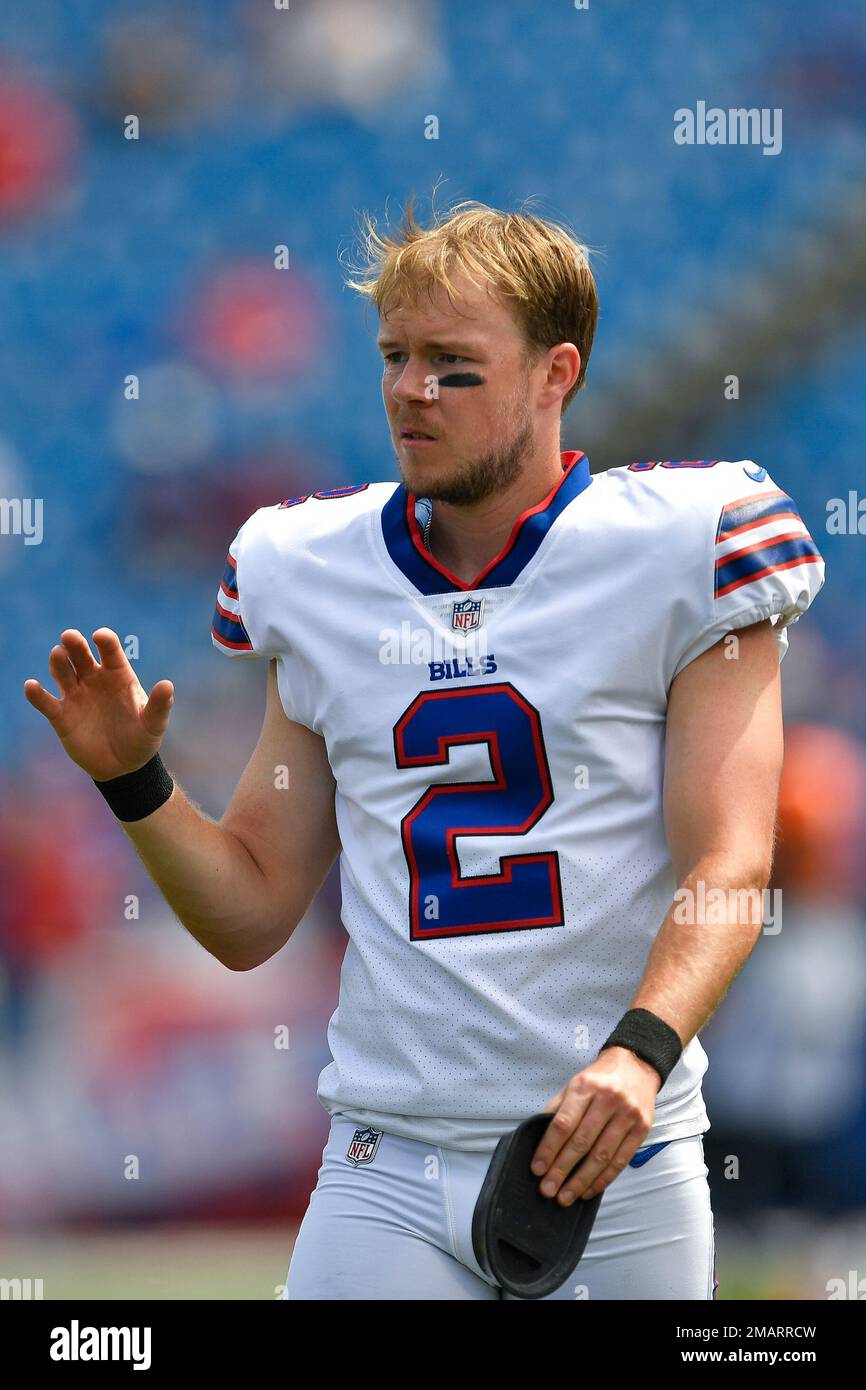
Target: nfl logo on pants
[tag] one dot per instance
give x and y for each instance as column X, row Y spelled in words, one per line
column 364, row 1145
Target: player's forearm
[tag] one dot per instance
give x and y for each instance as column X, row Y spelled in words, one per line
column 708, row 934
column 210, row 879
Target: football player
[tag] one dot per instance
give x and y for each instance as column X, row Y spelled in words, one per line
column 537, row 714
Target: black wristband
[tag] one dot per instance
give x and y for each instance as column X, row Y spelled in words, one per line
column 648, row 1037
column 135, row 795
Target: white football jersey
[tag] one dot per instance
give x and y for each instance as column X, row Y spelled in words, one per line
column 498, row 751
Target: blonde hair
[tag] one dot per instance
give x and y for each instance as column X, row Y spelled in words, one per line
column 538, row 264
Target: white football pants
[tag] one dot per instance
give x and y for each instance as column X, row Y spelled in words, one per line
column 400, row 1227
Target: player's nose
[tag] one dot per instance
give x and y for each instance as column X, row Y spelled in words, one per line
column 412, row 384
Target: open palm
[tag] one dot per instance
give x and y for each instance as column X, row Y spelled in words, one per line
column 104, row 719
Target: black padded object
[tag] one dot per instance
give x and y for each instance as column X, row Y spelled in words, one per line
column 527, row 1243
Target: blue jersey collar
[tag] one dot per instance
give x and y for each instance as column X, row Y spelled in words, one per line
column 405, row 544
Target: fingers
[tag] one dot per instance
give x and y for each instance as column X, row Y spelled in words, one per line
column 111, row 653
column 579, row 1138
column 62, row 670
column 157, row 712
column 42, row 701
column 608, row 1156
column 78, row 651
column 571, row 1108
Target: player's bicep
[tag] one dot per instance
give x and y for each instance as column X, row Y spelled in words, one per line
column 283, row 809
column 723, row 754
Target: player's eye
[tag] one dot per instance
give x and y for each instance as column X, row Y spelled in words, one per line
column 451, row 357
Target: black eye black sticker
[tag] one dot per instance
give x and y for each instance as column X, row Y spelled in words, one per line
column 462, row 379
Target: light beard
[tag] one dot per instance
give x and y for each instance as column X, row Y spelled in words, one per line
column 473, row 480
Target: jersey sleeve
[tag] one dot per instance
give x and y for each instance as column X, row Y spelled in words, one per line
column 229, row 631
column 757, row 560
column 245, row 621
column 256, row 605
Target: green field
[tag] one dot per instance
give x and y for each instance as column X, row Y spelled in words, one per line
column 225, row 1262
column 164, row 1262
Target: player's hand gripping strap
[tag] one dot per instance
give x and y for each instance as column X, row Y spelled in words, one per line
column 527, row 1243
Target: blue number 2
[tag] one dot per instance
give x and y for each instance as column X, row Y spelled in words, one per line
column 527, row 891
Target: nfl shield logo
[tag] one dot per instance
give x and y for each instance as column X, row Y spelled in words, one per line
column 466, row 614
column 364, row 1146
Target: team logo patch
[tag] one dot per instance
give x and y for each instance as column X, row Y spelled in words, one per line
column 466, row 614
column 364, row 1146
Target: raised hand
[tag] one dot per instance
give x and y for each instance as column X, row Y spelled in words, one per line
column 104, row 718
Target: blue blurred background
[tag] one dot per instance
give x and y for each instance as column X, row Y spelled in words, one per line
column 155, row 1138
